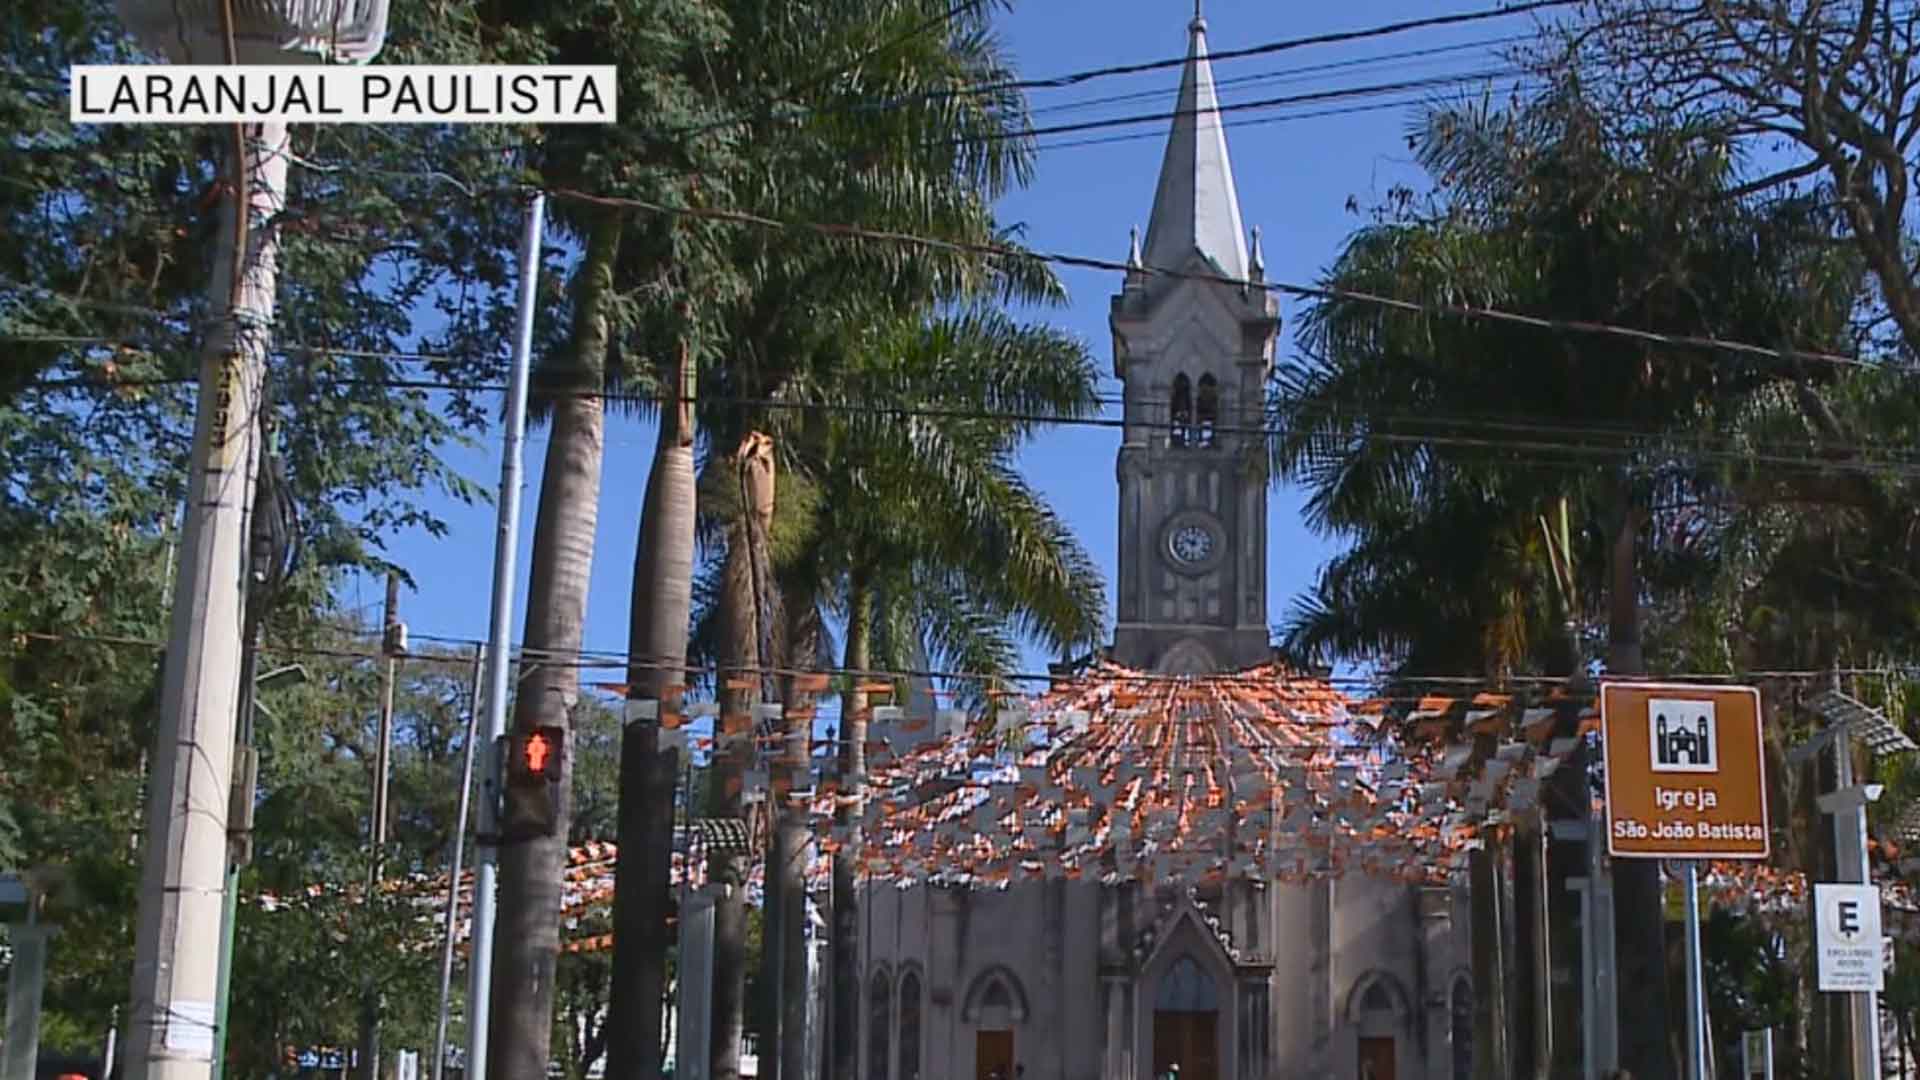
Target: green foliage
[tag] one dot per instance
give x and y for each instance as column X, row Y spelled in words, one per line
column 1440, row 443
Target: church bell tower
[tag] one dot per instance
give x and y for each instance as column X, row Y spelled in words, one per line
column 1194, row 356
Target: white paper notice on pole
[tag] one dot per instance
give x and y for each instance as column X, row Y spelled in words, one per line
column 190, row 1029
column 1847, row 938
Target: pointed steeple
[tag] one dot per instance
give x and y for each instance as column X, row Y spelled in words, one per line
column 1196, row 206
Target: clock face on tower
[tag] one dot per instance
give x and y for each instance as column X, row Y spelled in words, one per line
column 1190, row 544
column 1193, row 542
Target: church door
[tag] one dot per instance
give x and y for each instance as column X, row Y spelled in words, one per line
column 993, row 1055
column 1376, row 1059
column 1186, row 1022
column 1190, row 1040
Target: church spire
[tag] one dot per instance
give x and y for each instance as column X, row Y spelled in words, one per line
column 1196, row 206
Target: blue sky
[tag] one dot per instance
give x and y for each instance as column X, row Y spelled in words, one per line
column 1295, row 173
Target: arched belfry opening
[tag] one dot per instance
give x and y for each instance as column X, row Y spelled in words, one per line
column 1180, row 411
column 1206, row 411
column 1186, row 1021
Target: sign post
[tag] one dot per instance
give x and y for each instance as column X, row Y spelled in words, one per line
column 1756, row 1054
column 1686, row 780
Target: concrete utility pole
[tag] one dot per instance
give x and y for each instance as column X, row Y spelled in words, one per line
column 453, row 874
column 183, row 882
column 393, row 644
column 26, row 980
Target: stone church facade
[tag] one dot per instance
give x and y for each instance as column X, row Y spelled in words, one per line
column 1243, row 979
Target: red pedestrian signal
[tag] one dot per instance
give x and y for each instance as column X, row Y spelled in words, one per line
column 539, row 751
column 530, row 803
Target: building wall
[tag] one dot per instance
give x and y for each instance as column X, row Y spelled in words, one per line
column 1040, row 940
column 1351, row 959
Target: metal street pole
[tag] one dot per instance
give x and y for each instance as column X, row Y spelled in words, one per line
column 453, row 874
column 1697, row 1065
column 505, row 555
column 1850, row 850
column 1849, row 720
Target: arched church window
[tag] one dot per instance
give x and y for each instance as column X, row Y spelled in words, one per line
column 1186, row 987
column 996, row 996
column 1206, row 411
column 1460, row 1017
column 1377, row 998
column 881, row 1024
column 1180, row 415
column 910, row 1026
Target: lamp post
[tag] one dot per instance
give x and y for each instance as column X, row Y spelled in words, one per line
column 183, row 882
column 1848, row 719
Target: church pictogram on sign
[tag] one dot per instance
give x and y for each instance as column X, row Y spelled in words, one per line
column 1683, row 735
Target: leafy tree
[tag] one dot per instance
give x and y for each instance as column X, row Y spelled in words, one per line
column 1816, row 96
column 1445, row 443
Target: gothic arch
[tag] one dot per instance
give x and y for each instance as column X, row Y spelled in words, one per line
column 908, row 995
column 1180, row 410
column 879, row 1024
column 1187, row 657
column 1460, row 1027
column 996, row 987
column 1187, row 986
column 1374, row 995
column 1206, row 410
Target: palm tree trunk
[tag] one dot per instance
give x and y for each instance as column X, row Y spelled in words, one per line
column 1639, row 902
column 745, row 591
column 656, row 654
column 527, row 942
column 845, row 1010
column 783, row 958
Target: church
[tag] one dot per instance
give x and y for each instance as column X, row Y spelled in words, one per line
column 1199, row 955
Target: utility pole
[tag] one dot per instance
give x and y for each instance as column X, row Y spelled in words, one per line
column 453, row 873
column 393, row 643
column 183, row 882
column 486, row 870
column 184, row 876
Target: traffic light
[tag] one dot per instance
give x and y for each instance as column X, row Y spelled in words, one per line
column 535, row 762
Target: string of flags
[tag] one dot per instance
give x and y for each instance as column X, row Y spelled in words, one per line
column 1109, row 776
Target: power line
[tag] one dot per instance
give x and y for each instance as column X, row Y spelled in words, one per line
column 838, row 231
column 1264, row 49
column 585, row 658
column 1383, row 428
column 1574, row 326
column 1399, row 59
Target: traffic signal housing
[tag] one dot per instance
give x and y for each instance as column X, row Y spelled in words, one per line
column 535, row 763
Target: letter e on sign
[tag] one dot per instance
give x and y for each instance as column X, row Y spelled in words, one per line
column 1850, row 956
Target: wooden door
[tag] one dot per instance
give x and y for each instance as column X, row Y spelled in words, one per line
column 1187, row 1039
column 1376, row 1059
column 993, row 1050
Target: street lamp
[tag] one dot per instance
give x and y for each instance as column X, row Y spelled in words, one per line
column 1848, row 719
column 175, row 985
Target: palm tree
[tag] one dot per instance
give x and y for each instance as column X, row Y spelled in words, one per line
column 527, row 940
column 919, row 533
column 624, row 284
column 1440, row 440
column 928, row 162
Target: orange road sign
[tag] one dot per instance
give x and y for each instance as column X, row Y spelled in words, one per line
column 1686, row 774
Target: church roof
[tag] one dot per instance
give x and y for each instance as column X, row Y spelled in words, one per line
column 1195, row 207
